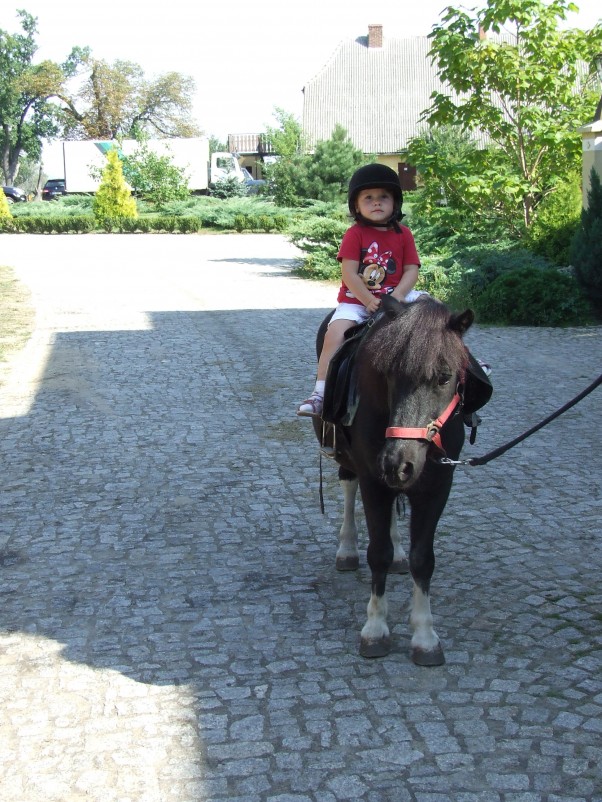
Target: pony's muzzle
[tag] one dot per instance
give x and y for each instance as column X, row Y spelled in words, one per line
column 401, row 462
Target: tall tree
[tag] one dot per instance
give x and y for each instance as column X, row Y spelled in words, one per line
column 117, row 100
column 286, row 138
column 517, row 78
column 26, row 115
column 286, row 174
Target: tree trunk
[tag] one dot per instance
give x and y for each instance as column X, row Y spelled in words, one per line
column 38, row 193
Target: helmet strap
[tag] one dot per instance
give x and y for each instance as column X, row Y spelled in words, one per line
column 390, row 223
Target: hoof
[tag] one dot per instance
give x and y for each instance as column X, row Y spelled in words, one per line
column 400, row 566
column 347, row 563
column 375, row 648
column 434, row 657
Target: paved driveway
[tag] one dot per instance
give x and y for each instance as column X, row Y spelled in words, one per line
column 172, row 628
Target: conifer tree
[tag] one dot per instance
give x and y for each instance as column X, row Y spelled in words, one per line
column 113, row 200
column 5, row 211
column 586, row 250
column 333, row 163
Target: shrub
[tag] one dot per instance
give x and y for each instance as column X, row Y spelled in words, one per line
column 113, row 199
column 265, row 222
column 159, row 223
column 586, row 248
column 155, row 178
column 285, row 179
column 185, row 216
column 479, row 265
column 75, row 224
column 280, row 222
column 70, row 204
column 168, row 224
column 228, row 188
column 65, row 206
column 533, row 297
column 319, row 238
column 458, row 279
column 142, row 225
column 240, row 222
column 120, row 225
column 189, row 224
column 556, row 221
column 130, row 225
column 444, row 282
column 4, row 207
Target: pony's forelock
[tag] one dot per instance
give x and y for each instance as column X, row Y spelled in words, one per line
column 417, row 342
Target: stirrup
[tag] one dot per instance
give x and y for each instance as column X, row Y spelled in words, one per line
column 329, row 451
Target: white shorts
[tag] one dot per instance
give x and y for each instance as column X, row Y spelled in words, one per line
column 355, row 312
column 358, row 312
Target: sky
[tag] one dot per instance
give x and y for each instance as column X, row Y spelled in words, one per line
column 246, row 57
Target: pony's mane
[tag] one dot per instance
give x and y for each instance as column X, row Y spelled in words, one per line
column 417, row 342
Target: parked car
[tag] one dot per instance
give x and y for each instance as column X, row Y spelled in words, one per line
column 53, row 188
column 252, row 184
column 15, row 195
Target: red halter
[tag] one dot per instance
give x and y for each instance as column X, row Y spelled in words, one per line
column 431, row 432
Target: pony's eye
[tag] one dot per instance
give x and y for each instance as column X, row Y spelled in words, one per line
column 444, row 378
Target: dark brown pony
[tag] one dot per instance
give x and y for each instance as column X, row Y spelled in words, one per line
column 409, row 367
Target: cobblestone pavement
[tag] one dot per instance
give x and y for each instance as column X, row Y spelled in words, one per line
column 172, row 628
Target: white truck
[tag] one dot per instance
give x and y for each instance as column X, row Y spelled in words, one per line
column 84, row 160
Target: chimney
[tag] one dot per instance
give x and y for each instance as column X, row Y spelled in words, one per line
column 375, row 35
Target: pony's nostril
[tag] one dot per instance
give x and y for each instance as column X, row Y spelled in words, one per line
column 391, row 464
column 397, row 470
column 406, row 469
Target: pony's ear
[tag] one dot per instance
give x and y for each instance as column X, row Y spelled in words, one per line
column 390, row 306
column 462, row 322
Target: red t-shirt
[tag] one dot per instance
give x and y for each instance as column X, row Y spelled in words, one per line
column 382, row 256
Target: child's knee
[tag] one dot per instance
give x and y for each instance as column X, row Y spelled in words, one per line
column 336, row 332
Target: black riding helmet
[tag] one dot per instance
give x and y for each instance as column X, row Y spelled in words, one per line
column 374, row 176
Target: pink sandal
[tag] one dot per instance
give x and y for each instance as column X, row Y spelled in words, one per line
column 311, row 406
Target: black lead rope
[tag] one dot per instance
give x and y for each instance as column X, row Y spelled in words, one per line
column 502, row 449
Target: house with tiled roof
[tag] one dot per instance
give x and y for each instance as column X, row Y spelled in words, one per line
column 376, row 88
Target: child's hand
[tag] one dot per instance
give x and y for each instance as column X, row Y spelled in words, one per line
column 373, row 304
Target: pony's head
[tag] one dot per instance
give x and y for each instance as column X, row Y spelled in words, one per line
column 418, row 351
